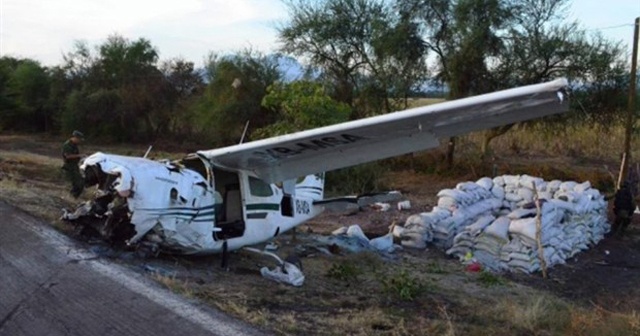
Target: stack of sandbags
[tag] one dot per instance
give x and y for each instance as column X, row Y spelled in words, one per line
column 457, row 208
column 418, row 229
column 465, row 241
column 573, row 217
column 494, row 237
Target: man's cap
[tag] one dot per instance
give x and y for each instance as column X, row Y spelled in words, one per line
column 77, row 134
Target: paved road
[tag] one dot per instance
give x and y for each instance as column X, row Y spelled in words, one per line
column 50, row 285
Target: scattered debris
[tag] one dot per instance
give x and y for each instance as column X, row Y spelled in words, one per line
column 288, row 273
column 404, row 205
column 351, row 205
column 352, row 239
column 383, row 207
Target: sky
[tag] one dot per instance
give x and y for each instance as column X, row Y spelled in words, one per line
column 44, row 30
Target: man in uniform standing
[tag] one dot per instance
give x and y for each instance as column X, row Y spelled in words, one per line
column 623, row 207
column 71, row 157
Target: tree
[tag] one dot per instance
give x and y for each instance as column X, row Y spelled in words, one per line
column 237, row 84
column 464, row 35
column 488, row 45
column 25, row 92
column 361, row 48
column 541, row 45
column 185, row 85
column 123, row 75
column 300, row 105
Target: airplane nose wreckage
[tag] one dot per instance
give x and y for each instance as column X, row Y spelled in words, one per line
column 224, row 199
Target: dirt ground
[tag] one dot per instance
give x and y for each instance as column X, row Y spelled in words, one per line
column 408, row 292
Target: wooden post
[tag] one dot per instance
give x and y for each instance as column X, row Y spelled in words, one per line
column 536, row 199
column 623, row 165
column 631, row 106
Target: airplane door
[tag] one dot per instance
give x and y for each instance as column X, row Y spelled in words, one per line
column 289, row 191
column 229, row 214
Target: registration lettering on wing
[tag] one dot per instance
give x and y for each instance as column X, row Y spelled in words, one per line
column 314, row 145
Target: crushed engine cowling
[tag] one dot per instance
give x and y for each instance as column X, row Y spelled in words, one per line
column 106, row 215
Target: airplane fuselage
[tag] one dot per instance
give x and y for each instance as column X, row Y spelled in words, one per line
column 191, row 207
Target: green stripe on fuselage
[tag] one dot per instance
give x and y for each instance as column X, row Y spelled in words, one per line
column 264, row 206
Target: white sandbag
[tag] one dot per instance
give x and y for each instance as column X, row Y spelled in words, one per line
column 458, row 251
column 440, row 213
column 498, row 192
column 526, row 194
column 383, row 243
column 480, row 224
column 542, row 186
column 511, row 188
column 416, row 220
column 523, row 266
column 567, row 206
column 398, row 231
column 545, row 195
column 414, row 243
column 499, row 228
column 511, row 180
column 569, row 196
column 459, row 217
column 553, row 186
column 467, row 186
column 485, row 182
column 447, row 202
column 582, row 187
column 568, row 185
column 511, row 197
column 482, row 207
column 356, row 232
column 527, row 181
column 458, row 195
column 499, row 181
column 524, row 226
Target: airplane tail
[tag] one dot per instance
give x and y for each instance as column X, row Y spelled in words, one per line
column 312, row 186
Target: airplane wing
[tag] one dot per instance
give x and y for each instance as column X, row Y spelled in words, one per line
column 355, row 142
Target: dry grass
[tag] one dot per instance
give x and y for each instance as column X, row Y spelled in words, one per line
column 535, row 314
column 585, row 142
column 35, row 183
column 598, row 321
column 417, row 102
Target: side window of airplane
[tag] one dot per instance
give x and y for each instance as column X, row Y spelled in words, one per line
column 259, row 188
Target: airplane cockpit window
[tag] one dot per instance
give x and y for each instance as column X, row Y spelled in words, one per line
column 194, row 163
column 259, row 187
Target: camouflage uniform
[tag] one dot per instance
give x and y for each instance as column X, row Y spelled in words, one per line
column 623, row 208
column 71, row 169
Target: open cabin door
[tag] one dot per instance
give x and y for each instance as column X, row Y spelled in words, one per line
column 229, row 206
column 289, row 193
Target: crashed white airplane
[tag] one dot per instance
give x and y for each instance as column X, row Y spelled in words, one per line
column 229, row 198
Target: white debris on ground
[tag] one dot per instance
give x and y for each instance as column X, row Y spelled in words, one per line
column 379, row 206
column 494, row 222
column 353, row 239
column 288, row 273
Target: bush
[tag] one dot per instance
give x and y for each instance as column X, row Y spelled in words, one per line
column 403, row 286
column 362, row 179
column 489, row 279
column 344, row 271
